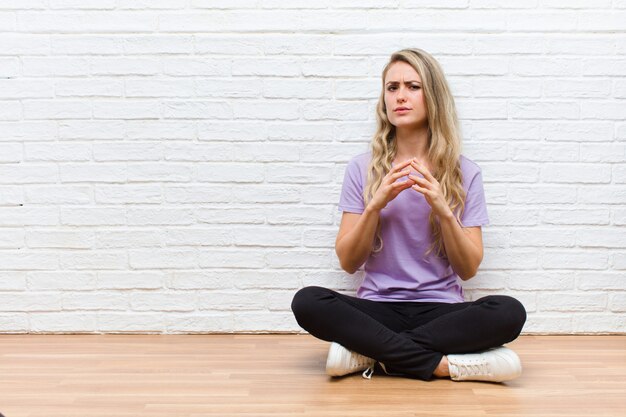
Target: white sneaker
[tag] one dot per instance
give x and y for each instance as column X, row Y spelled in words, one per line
column 496, row 365
column 342, row 361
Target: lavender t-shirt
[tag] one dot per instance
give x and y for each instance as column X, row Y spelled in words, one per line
column 401, row 271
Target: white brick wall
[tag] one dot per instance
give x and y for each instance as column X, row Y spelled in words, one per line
column 175, row 165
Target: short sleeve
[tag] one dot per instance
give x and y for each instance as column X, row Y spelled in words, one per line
column 475, row 213
column 351, row 198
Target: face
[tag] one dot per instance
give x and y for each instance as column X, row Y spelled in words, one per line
column 404, row 98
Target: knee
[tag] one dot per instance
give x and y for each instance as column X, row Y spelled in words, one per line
column 511, row 311
column 305, row 304
column 516, row 314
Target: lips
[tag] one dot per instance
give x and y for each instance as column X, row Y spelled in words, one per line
column 401, row 109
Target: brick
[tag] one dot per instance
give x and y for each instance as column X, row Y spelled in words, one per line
column 574, row 259
column 127, row 239
column 163, row 172
column 126, row 109
column 298, row 259
column 233, row 87
column 159, row 216
column 28, row 173
column 194, row 236
column 16, row 88
column 24, row 44
column 601, row 237
column 549, row 323
column 576, row 173
column 603, row 153
column 12, row 281
column 155, row 87
column 572, row 301
column 597, row 194
column 204, row 322
column 27, row 261
column 576, row 216
column 600, row 280
column 9, row 67
column 94, row 260
column 130, row 280
column 196, row 109
column 610, row 323
column 99, row 301
column 91, row 129
column 91, row 172
column 617, row 302
column 21, row 216
column 92, row 22
column 266, row 236
column 158, row 44
column 134, row 322
column 229, row 172
column 551, row 237
column 189, row 67
column 86, row 45
column 299, row 174
column 91, row 216
column 128, row 194
column 89, row 88
column 57, row 152
column 298, row 131
column 162, row 258
column 12, row 239
column 163, row 301
column 136, row 151
column 159, row 129
column 200, row 280
column 56, row 109
column 539, row 152
column 59, row 239
column 53, row 66
column 231, row 215
column 519, row 259
column 231, row 258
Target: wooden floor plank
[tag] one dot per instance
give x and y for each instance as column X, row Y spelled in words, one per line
column 283, row 375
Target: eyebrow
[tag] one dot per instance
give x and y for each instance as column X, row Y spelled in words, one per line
column 406, row 82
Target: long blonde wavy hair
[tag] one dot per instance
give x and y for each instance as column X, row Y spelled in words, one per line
column 444, row 140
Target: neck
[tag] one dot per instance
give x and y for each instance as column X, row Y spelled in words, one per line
column 412, row 143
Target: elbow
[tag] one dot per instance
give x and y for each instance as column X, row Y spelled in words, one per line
column 350, row 269
column 345, row 263
column 467, row 275
column 469, row 272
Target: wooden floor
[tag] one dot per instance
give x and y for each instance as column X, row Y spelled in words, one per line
column 283, row 375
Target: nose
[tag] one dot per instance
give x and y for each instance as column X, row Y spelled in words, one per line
column 400, row 96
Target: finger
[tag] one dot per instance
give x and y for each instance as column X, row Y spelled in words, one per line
column 400, row 166
column 419, row 189
column 400, row 184
column 422, row 170
column 421, row 181
column 397, row 175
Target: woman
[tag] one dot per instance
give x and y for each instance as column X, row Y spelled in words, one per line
column 413, row 208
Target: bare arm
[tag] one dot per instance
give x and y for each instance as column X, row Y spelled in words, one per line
column 356, row 238
column 464, row 246
column 357, row 231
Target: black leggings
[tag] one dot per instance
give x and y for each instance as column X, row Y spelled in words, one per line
column 409, row 338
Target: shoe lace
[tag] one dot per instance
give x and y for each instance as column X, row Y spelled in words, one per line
column 367, row 374
column 473, row 368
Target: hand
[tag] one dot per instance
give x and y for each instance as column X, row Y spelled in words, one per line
column 429, row 187
column 389, row 187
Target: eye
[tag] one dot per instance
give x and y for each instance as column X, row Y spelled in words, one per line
column 390, row 88
column 415, row 87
